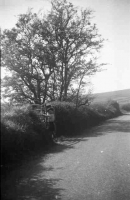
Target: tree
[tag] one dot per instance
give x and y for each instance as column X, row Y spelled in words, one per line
column 26, row 55
column 48, row 55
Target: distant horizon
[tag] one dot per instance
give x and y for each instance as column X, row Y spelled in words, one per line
column 111, row 91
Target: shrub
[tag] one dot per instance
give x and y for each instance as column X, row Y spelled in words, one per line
column 70, row 120
column 66, row 118
column 107, row 109
column 21, row 131
column 126, row 107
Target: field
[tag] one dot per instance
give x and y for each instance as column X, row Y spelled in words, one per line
column 121, row 96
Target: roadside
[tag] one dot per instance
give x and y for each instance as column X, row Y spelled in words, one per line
column 94, row 165
column 23, row 133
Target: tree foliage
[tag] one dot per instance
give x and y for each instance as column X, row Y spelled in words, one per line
column 47, row 55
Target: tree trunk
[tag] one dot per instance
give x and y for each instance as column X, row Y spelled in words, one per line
column 62, row 83
column 45, row 93
column 65, row 86
column 77, row 98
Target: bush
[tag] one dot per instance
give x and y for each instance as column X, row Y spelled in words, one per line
column 21, row 132
column 107, row 109
column 126, row 107
column 65, row 119
column 70, row 121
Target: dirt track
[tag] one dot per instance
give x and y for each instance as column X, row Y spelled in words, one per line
column 94, row 166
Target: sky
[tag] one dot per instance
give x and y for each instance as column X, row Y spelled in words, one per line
column 113, row 21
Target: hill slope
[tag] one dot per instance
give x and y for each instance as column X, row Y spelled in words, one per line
column 122, row 96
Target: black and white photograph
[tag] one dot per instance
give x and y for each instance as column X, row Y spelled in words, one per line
column 65, row 99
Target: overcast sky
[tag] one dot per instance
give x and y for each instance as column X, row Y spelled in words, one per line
column 113, row 21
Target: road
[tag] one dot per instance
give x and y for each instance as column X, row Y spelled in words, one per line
column 94, row 166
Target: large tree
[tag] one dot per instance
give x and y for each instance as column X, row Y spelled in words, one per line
column 48, row 55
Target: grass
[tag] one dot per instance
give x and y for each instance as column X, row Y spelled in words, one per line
column 22, row 131
column 121, row 96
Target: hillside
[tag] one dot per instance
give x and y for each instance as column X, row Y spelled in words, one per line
column 122, row 96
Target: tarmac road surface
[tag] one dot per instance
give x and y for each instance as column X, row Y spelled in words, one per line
column 94, row 166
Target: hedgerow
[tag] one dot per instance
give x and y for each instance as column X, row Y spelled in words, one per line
column 126, row 107
column 22, row 130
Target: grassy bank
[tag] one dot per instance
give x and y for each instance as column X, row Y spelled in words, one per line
column 22, row 131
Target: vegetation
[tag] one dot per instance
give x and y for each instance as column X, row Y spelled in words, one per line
column 50, row 57
column 121, row 96
column 22, row 131
column 126, row 106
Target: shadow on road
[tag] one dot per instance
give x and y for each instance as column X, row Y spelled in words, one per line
column 117, row 125
column 29, row 183
column 110, row 126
